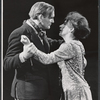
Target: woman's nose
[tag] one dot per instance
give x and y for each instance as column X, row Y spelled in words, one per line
column 61, row 26
column 52, row 20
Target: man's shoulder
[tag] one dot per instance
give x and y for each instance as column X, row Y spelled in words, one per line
column 20, row 30
column 24, row 29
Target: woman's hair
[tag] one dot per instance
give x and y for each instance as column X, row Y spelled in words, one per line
column 41, row 8
column 80, row 24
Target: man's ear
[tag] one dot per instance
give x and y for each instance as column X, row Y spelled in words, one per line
column 40, row 17
column 72, row 30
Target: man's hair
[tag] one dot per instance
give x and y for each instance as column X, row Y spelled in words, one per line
column 41, row 8
column 79, row 23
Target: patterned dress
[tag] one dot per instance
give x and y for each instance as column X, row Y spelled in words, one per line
column 70, row 58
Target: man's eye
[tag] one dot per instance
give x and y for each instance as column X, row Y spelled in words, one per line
column 51, row 17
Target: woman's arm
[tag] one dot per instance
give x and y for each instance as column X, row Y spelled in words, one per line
column 54, row 44
column 64, row 52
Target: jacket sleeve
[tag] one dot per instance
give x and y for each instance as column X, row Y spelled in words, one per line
column 54, row 44
column 11, row 59
column 65, row 52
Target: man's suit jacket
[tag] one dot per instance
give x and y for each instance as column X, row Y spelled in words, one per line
column 30, row 81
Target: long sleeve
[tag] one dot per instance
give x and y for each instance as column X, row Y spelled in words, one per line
column 64, row 52
column 54, row 44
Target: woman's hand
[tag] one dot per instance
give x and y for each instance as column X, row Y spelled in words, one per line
column 25, row 40
column 28, row 49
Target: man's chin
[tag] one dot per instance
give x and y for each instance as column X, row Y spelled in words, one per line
column 46, row 27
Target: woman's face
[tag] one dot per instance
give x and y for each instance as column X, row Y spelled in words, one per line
column 65, row 28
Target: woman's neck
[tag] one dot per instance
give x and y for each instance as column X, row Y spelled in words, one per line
column 68, row 38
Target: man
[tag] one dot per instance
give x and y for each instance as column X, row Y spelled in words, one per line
column 31, row 77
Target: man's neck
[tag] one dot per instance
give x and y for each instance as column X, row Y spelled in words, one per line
column 35, row 21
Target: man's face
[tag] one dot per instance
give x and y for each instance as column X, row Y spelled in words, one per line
column 47, row 21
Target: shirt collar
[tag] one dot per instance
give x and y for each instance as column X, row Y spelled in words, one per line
column 34, row 26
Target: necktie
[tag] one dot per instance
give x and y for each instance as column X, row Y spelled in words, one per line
column 43, row 36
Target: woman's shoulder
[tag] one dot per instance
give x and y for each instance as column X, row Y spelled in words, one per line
column 77, row 45
column 66, row 46
column 71, row 43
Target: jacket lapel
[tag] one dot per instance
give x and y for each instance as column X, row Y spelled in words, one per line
column 46, row 44
column 36, row 40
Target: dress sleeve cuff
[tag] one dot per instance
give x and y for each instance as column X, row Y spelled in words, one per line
column 21, row 57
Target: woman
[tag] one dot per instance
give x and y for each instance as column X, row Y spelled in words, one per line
column 69, row 56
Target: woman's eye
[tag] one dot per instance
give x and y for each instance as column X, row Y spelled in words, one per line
column 65, row 22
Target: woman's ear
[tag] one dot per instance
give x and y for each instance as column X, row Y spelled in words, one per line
column 71, row 26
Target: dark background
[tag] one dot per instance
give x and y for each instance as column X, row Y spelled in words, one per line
column 15, row 11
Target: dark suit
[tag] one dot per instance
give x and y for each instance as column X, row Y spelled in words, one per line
column 30, row 80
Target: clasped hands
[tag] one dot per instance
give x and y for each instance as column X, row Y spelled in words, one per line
column 28, row 49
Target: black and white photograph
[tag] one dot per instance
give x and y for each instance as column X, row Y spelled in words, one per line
column 50, row 50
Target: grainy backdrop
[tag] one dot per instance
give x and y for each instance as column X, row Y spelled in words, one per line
column 15, row 11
